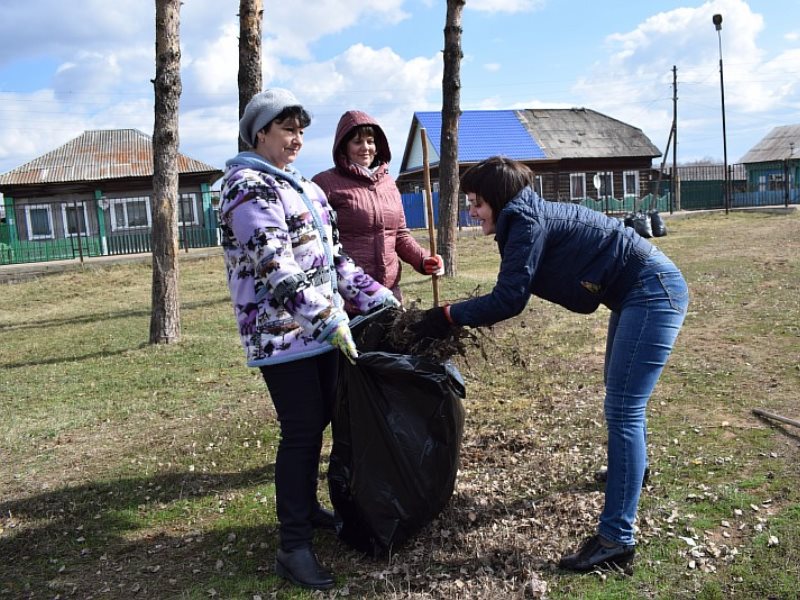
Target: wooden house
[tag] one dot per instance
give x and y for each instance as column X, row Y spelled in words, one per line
column 772, row 167
column 577, row 154
column 93, row 195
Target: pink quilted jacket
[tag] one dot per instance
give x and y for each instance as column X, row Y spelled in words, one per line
column 369, row 210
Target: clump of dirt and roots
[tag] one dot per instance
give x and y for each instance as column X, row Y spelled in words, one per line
column 401, row 335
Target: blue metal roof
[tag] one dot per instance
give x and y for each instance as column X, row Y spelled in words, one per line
column 485, row 133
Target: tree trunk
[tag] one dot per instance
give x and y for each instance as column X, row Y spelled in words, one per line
column 165, row 319
column 448, row 161
column 251, row 13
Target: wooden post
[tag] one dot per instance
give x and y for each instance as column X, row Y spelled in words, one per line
column 429, row 207
column 763, row 413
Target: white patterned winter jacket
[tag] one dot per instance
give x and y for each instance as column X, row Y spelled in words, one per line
column 286, row 269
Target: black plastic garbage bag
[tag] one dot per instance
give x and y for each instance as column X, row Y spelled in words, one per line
column 641, row 225
column 657, row 224
column 627, row 219
column 397, row 432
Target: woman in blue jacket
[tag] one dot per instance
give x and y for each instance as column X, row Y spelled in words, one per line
column 579, row 258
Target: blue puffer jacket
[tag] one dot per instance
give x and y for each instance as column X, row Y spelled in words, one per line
column 564, row 253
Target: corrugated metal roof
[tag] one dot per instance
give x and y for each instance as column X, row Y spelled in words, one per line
column 585, row 133
column 485, row 133
column 776, row 145
column 98, row 155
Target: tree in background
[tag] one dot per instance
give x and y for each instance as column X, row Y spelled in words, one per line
column 165, row 319
column 448, row 162
column 251, row 13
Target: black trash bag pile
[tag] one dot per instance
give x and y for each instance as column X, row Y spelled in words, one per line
column 397, row 431
column 647, row 225
column 641, row 225
column 657, row 224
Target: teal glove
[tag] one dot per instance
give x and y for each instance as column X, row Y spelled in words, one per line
column 342, row 339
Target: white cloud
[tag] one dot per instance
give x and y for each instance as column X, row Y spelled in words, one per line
column 291, row 27
column 390, row 90
column 40, row 27
column 504, row 6
column 492, row 67
column 634, row 82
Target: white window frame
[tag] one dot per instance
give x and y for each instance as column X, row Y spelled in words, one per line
column 577, row 177
column 537, row 186
column 65, row 220
column 191, row 198
column 113, row 202
column 49, row 210
column 625, row 191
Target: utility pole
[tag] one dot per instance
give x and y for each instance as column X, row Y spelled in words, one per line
column 675, row 200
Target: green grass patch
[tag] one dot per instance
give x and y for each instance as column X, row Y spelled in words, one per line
column 132, row 470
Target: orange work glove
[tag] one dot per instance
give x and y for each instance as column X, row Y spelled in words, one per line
column 433, row 265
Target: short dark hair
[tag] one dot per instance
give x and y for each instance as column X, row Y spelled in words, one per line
column 291, row 112
column 359, row 131
column 496, row 180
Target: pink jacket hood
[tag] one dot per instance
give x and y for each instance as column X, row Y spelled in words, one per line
column 354, row 118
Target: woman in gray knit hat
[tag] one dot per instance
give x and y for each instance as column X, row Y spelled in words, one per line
column 288, row 280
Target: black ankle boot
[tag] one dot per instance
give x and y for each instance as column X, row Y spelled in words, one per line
column 323, row 519
column 302, row 568
column 598, row 552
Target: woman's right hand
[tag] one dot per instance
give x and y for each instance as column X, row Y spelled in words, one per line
column 342, row 338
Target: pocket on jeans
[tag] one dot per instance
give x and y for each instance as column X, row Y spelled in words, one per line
column 676, row 290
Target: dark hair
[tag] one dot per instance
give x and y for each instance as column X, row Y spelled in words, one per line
column 496, row 180
column 359, row 131
column 291, row 112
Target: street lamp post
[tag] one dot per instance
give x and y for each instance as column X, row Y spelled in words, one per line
column 717, row 20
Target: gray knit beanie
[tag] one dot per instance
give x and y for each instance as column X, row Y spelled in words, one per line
column 261, row 109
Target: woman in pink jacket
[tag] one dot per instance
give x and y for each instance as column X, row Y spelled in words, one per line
column 368, row 206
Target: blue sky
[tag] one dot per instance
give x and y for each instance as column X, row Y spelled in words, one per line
column 66, row 67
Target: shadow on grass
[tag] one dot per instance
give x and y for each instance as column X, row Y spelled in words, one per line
column 40, row 324
column 71, row 359
column 152, row 537
column 789, row 432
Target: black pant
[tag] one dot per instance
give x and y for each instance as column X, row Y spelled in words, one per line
column 303, row 392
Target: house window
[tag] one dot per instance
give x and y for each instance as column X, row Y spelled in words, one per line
column 606, row 184
column 39, row 219
column 74, row 218
column 187, row 209
column 130, row 213
column 775, row 182
column 630, row 184
column 577, row 186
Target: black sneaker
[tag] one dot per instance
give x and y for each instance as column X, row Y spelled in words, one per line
column 598, row 552
column 302, row 568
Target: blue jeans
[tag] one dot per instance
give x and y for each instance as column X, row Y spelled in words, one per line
column 640, row 338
